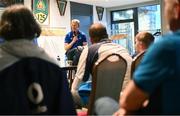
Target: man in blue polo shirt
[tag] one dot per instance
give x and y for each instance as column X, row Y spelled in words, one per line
column 75, row 37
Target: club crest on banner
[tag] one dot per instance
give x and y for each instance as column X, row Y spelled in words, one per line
column 40, row 10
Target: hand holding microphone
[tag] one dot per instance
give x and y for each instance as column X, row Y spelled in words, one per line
column 74, row 33
column 74, row 39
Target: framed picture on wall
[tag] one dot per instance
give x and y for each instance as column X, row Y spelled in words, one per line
column 62, row 6
column 5, row 3
column 100, row 11
column 41, row 11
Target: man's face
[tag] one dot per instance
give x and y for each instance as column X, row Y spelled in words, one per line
column 74, row 26
column 170, row 13
column 137, row 45
column 137, row 42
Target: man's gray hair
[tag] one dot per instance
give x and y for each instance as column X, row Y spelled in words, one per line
column 75, row 21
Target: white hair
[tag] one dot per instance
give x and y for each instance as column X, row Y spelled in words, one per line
column 75, row 21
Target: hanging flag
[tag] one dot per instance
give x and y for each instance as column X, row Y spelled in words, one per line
column 41, row 10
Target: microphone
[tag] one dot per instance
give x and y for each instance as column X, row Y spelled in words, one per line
column 74, row 33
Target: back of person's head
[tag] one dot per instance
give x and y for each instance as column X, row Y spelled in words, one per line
column 18, row 22
column 97, row 32
column 145, row 38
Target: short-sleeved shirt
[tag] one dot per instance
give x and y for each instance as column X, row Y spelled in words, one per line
column 81, row 38
column 160, row 69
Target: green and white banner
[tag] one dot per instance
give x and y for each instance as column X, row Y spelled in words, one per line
column 41, row 11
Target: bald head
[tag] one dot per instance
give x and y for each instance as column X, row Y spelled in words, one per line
column 97, row 32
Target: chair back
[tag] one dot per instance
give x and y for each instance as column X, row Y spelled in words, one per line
column 35, row 86
column 136, row 62
column 107, row 79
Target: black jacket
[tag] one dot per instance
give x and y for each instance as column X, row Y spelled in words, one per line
column 19, row 93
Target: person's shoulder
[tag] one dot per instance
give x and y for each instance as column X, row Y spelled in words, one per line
column 81, row 32
column 118, row 46
column 93, row 45
column 168, row 40
column 165, row 45
column 85, row 47
column 69, row 33
column 173, row 36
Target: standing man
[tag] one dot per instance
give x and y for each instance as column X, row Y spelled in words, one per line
column 75, row 37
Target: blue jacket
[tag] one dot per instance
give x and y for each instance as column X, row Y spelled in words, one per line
column 35, row 86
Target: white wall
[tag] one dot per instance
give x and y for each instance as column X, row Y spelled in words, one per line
column 59, row 21
column 64, row 21
column 52, row 45
column 104, row 20
column 27, row 3
column 95, row 16
column 55, row 19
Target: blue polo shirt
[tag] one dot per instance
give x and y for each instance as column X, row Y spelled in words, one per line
column 160, row 70
column 81, row 38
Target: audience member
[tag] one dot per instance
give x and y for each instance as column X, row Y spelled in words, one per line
column 101, row 48
column 157, row 77
column 18, row 35
column 18, row 27
column 142, row 41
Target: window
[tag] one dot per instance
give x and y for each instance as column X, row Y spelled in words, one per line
column 122, row 15
column 149, row 18
column 130, row 21
column 123, row 28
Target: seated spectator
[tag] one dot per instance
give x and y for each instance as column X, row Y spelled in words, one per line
column 142, row 41
column 157, row 79
column 18, row 27
column 101, row 48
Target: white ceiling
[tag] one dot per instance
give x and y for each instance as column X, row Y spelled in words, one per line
column 110, row 3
